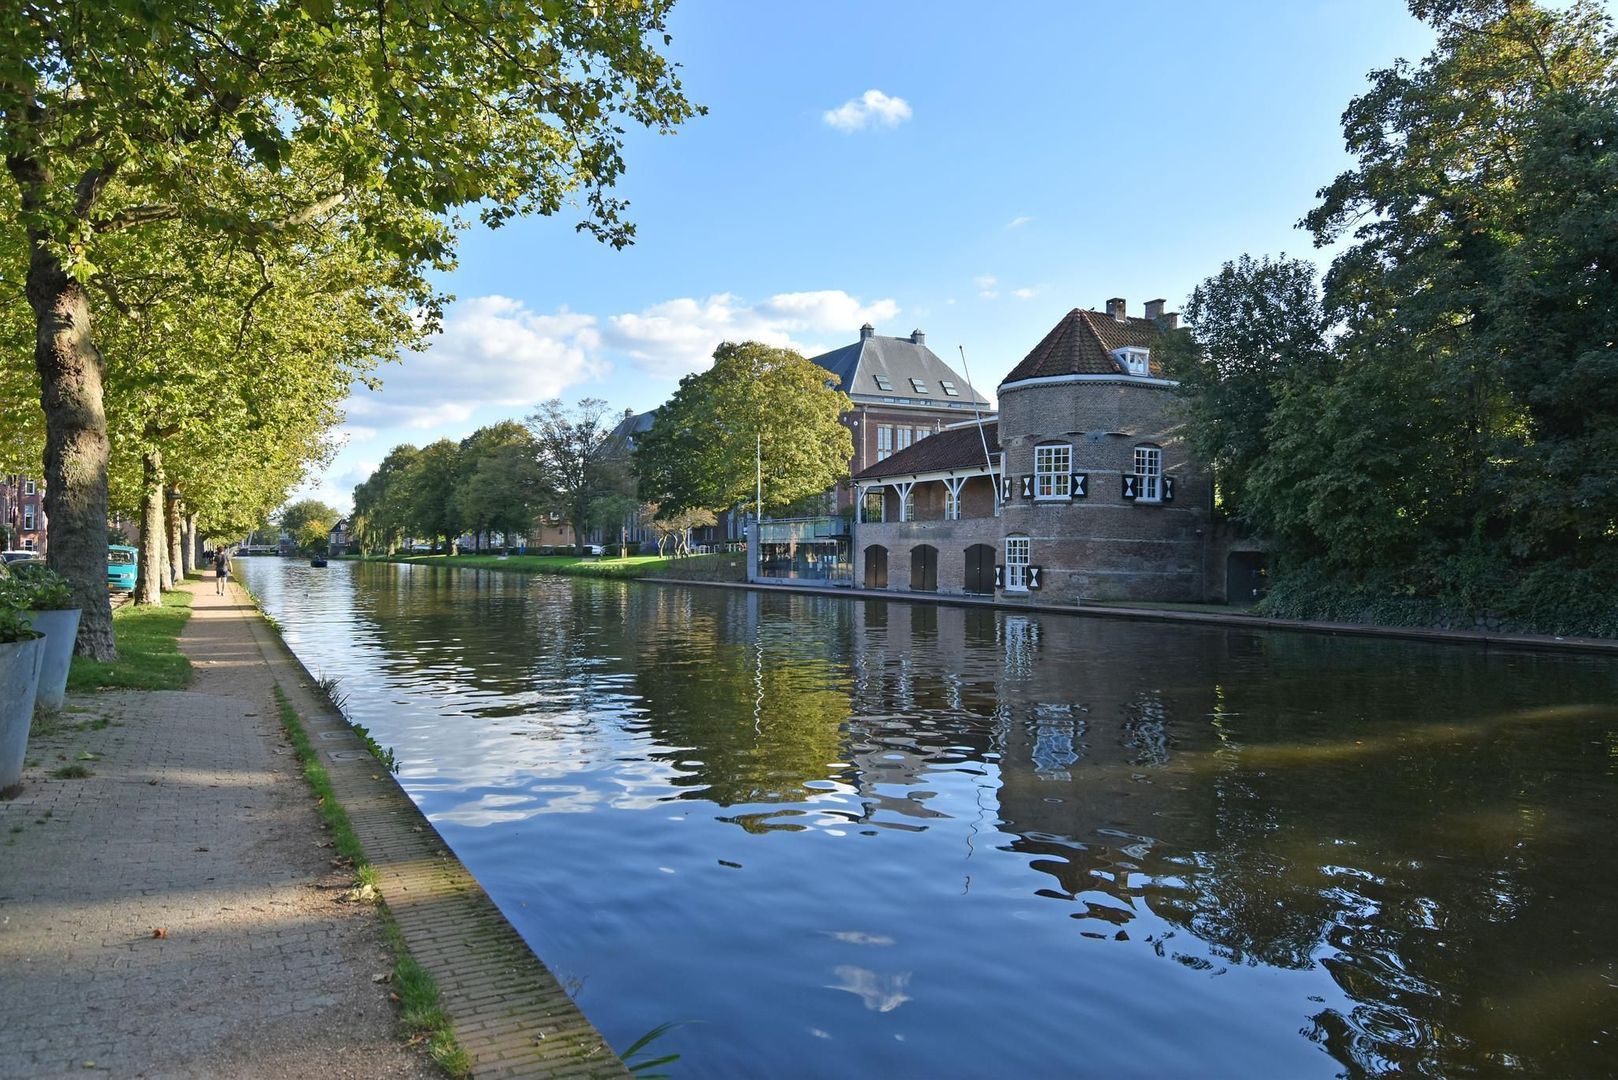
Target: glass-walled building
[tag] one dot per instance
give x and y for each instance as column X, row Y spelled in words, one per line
column 805, row 549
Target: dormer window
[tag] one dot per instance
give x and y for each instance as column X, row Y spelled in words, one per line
column 1134, row 361
column 919, row 386
column 949, row 388
column 882, row 383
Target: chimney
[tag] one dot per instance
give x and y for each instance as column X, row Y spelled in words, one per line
column 867, row 331
column 1154, row 308
column 917, row 337
column 1115, row 308
column 1171, row 321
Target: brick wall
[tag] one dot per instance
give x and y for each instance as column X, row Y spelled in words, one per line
column 1104, row 547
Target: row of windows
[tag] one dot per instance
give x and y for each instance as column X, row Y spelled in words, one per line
column 885, row 384
column 890, row 439
column 1053, row 472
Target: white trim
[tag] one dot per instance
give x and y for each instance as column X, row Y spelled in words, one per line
column 1121, row 380
column 935, row 474
column 990, row 418
column 1065, row 473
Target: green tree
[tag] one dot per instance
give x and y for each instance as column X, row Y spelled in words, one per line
column 579, row 460
column 757, row 403
column 500, row 479
column 310, row 522
column 381, row 503
column 1251, row 328
column 431, row 509
column 244, row 118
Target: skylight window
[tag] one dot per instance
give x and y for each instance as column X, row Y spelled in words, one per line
column 882, row 383
column 920, row 386
column 949, row 388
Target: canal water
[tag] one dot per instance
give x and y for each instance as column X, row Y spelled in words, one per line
column 837, row 837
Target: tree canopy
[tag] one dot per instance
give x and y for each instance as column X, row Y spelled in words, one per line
column 757, row 407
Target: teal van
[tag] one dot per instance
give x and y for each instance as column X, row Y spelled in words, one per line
column 120, row 566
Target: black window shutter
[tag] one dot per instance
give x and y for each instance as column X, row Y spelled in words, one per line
column 1034, row 573
column 1005, row 489
column 1168, row 489
column 1079, row 480
column 999, row 575
column 1028, row 487
column 1129, row 485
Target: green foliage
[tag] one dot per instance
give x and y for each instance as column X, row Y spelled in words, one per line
column 756, row 403
column 35, row 587
column 501, row 486
column 149, row 656
column 14, row 626
column 579, row 460
column 1448, row 453
column 310, row 522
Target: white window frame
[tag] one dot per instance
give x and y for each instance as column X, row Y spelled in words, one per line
column 922, row 433
column 901, row 439
column 919, row 386
column 28, row 518
column 28, row 545
column 1050, row 482
column 952, row 504
column 949, row 388
column 1016, row 564
column 907, row 505
column 884, row 441
column 1135, row 361
column 1149, row 474
column 883, row 384
column 29, row 487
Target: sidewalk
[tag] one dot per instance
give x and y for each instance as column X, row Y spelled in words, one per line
column 174, row 913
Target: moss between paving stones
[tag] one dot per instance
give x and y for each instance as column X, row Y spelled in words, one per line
column 419, row 1010
column 149, row 656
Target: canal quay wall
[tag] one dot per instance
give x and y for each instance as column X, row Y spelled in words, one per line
column 509, row 1014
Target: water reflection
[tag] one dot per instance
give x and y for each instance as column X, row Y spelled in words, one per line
column 943, row 841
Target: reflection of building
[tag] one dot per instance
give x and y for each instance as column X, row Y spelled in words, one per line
column 22, row 510
column 1083, row 490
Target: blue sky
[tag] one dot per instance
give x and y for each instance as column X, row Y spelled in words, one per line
column 918, row 165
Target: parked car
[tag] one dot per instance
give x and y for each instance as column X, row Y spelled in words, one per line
column 18, row 556
column 592, row 549
column 120, row 566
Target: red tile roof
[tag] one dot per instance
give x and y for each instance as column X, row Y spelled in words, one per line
column 952, row 448
column 1082, row 344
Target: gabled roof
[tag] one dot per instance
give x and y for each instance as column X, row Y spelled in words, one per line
column 1082, row 343
column 898, row 360
column 953, row 448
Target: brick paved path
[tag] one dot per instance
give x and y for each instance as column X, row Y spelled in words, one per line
column 194, row 822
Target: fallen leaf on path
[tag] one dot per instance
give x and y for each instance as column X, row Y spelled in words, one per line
column 160, row 932
column 382, row 978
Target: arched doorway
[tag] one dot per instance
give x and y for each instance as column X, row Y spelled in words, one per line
column 876, row 567
column 980, row 569
column 924, row 568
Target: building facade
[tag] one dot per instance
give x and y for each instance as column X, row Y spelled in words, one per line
column 1082, row 489
column 22, row 510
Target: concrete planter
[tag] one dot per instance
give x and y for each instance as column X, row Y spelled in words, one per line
column 61, row 629
column 19, row 675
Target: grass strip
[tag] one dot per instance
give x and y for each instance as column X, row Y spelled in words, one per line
column 419, row 1009
column 149, row 656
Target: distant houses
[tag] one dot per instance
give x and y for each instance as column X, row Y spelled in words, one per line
column 22, row 512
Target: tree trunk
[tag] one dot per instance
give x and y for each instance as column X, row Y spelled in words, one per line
column 188, row 544
column 70, row 377
column 171, row 520
column 149, row 560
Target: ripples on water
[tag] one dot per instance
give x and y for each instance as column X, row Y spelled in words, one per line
column 848, row 837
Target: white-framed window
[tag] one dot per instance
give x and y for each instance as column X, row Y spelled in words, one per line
column 952, row 504
column 884, row 441
column 1135, row 361
column 28, row 518
column 919, row 386
column 1053, row 471
column 908, row 511
column 28, row 545
column 882, row 383
column 949, row 388
column 29, row 487
column 922, row 433
column 903, row 437
column 1149, row 470
column 1016, row 564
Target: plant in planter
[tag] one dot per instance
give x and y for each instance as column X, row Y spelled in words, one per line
column 19, row 675
column 46, row 601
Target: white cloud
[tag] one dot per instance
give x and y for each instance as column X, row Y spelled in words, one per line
column 1024, row 294
column 1018, row 222
column 871, row 108
column 986, row 286
column 679, row 336
column 492, row 350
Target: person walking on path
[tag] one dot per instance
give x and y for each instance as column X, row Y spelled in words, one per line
column 221, row 570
